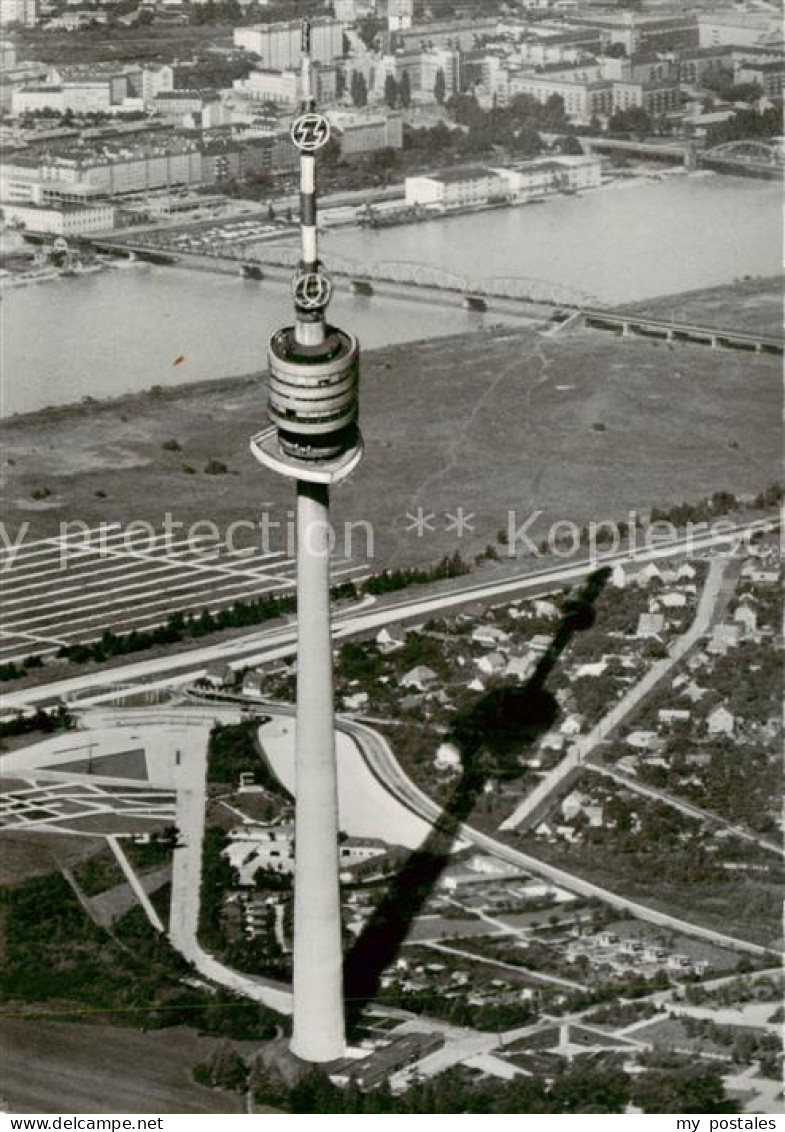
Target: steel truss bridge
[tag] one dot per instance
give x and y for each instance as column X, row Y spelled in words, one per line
column 412, row 274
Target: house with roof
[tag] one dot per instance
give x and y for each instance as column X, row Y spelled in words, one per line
column 644, row 741
column 592, row 670
column 553, row 741
column 619, row 577
column 539, row 644
column 747, row 618
column 669, row 716
column 520, row 667
column 650, row 625
column 572, row 725
column 490, row 635
column 546, row 609
column 476, row 685
column 725, row 636
column 420, row 677
column 578, row 803
column 253, row 685
column 391, row 637
column 356, row 701
column 492, row 664
column 698, row 758
column 759, row 574
column 673, row 600
column 721, row 722
column 218, row 674
column 650, row 573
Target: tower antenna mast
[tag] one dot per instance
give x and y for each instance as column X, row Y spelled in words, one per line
column 313, row 439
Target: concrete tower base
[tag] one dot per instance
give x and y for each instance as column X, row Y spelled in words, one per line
column 318, row 1023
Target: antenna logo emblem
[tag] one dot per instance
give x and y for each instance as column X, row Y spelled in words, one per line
column 312, row 290
column 310, row 132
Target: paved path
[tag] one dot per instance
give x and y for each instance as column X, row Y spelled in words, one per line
column 136, row 885
column 535, row 976
column 381, row 759
column 687, row 808
column 553, row 782
column 186, row 883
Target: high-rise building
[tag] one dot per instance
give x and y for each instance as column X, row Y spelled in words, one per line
column 24, row 12
column 278, row 45
column 314, row 440
column 400, row 14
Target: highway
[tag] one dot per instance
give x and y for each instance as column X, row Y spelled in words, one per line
column 263, row 646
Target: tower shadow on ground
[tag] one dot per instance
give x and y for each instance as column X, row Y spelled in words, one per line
column 490, row 736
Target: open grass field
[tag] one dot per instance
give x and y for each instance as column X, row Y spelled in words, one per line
column 25, row 855
column 101, row 1069
column 577, row 426
column 753, row 304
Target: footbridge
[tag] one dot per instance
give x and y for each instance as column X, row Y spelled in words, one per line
column 758, row 157
column 630, row 324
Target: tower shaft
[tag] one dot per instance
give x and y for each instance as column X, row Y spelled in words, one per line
column 314, row 439
column 318, row 1033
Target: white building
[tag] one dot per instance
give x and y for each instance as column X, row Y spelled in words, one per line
column 400, row 14
column 279, row 45
column 24, row 12
column 267, row 85
column 61, row 220
column 739, row 29
column 552, row 174
column 447, row 757
column 721, row 722
column 455, row 188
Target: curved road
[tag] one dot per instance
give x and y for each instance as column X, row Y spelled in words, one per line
column 380, row 758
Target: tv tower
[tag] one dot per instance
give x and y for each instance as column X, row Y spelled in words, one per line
column 314, row 440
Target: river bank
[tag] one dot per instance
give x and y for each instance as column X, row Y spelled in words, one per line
column 129, row 330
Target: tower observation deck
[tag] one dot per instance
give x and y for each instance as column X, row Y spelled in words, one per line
column 313, row 439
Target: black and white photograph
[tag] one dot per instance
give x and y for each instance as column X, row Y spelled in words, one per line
column 390, row 562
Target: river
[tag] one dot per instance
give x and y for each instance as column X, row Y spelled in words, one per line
column 128, row 329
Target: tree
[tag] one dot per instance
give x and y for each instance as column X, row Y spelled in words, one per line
column 359, row 89
column 340, row 82
column 570, row 146
column 633, row 120
column 224, row 1070
column 440, row 86
column 368, row 29
column 268, row 1086
column 391, row 92
column 690, row 1090
column 616, row 51
column 405, row 90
